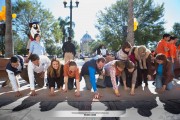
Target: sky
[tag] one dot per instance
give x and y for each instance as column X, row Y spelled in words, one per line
column 85, row 15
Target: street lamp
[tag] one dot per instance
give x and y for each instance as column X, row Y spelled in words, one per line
column 70, row 7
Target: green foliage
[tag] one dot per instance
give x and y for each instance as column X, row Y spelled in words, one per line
column 52, row 48
column 56, row 32
column 31, row 11
column 65, row 26
column 176, row 31
column 149, row 16
column 19, row 44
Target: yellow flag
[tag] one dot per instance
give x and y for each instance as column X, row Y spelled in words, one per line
column 135, row 24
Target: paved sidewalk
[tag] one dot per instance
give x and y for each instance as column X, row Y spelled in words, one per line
column 145, row 105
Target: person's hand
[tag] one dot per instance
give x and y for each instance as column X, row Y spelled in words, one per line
column 161, row 90
column 60, row 89
column 172, row 60
column 18, row 94
column 132, row 92
column 126, row 88
column 77, row 94
column 97, row 95
column 117, row 93
column 149, row 77
column 65, row 90
column 52, row 93
column 33, row 93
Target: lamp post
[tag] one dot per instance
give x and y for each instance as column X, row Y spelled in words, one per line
column 70, row 7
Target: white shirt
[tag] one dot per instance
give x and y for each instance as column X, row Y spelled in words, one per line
column 103, row 51
column 121, row 55
column 13, row 78
column 43, row 66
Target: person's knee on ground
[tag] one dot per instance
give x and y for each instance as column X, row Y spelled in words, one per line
column 169, row 86
column 108, row 83
column 88, row 86
column 40, row 82
column 87, row 82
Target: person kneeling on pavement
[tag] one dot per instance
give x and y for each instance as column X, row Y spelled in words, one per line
column 15, row 69
column 55, row 75
column 129, row 77
column 113, row 71
column 71, row 73
column 164, row 77
column 37, row 67
column 89, row 70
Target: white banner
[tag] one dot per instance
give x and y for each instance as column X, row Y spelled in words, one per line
column 87, row 113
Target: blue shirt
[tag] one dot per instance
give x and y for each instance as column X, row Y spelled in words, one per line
column 37, row 48
column 90, row 68
column 160, row 70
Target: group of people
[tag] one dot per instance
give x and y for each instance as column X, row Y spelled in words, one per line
column 133, row 66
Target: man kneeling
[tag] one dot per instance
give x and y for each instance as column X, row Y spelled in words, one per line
column 15, row 68
column 37, row 68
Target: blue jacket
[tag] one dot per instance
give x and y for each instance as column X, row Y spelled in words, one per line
column 90, row 68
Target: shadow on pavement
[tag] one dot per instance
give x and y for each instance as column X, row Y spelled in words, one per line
column 45, row 101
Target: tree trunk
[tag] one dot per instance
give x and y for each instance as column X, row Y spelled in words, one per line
column 130, row 35
column 9, row 48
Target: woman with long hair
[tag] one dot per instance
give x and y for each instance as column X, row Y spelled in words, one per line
column 55, row 75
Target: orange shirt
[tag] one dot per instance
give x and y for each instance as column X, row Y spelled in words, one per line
column 162, row 44
column 172, row 50
column 169, row 46
column 71, row 74
column 118, row 73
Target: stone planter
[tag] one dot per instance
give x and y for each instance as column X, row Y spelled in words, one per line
column 3, row 74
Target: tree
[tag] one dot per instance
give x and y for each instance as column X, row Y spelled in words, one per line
column 31, row 11
column 56, row 32
column 130, row 35
column 64, row 26
column 112, row 20
column 19, row 45
column 94, row 45
column 8, row 34
column 176, row 31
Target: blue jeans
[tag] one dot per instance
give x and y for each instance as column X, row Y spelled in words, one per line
column 159, row 83
column 173, row 65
